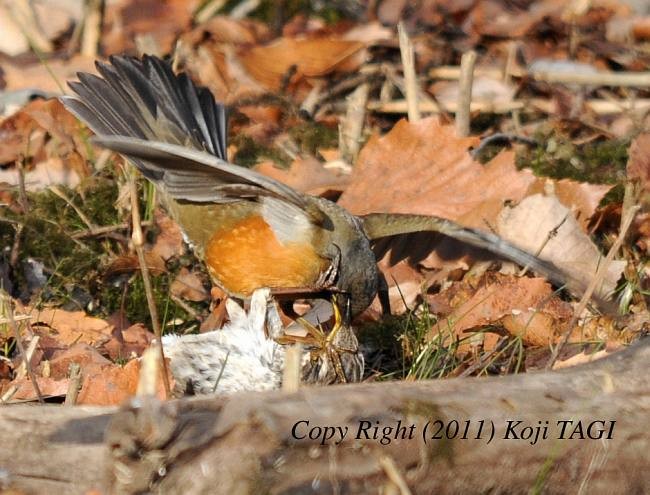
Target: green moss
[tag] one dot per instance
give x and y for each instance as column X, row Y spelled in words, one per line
column 311, row 136
column 130, row 297
column 600, row 162
column 250, row 152
column 49, row 226
column 75, row 267
column 268, row 11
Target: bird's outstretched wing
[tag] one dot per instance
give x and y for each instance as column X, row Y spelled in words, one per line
column 173, row 131
column 383, row 225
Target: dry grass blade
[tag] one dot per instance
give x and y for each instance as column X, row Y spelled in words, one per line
column 292, row 368
column 7, row 309
column 352, row 126
column 74, row 385
column 596, row 281
column 149, row 369
column 394, row 475
column 92, row 28
column 463, row 112
column 138, row 242
column 408, row 66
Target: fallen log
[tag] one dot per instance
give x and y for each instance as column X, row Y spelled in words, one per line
column 578, row 430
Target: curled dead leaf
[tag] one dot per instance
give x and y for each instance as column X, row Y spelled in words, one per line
column 169, row 241
column 313, row 57
column 524, row 306
column 70, row 327
column 188, row 285
column 541, row 224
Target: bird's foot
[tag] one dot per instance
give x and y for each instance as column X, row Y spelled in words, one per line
column 335, row 356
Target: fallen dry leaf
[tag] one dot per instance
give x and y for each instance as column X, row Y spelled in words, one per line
column 111, row 386
column 541, row 224
column 638, row 163
column 52, row 17
column 169, row 241
column 128, row 263
column 45, row 134
column 86, row 356
column 525, row 306
column 50, row 172
column 306, row 175
column 50, row 78
column 495, row 18
column 314, row 57
column 128, row 343
column 425, row 168
column 161, row 20
column 188, row 285
column 49, row 387
column 70, row 327
column 581, row 197
column 114, row 385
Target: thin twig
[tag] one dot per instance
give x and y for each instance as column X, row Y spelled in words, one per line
column 6, row 303
column 58, row 192
column 22, row 189
column 149, row 372
column 292, row 368
column 595, row 282
column 394, row 475
column 602, row 78
column 408, row 67
column 351, row 128
column 74, row 384
column 464, row 102
column 597, row 106
column 502, row 137
column 208, row 10
column 15, row 247
column 92, row 28
column 107, row 229
column 138, row 242
column 186, row 307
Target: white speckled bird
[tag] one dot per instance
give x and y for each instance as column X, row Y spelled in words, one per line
column 244, row 354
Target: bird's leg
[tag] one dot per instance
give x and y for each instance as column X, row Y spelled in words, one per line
column 330, row 347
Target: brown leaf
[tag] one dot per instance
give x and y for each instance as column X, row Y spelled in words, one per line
column 49, row 387
column 424, row 168
column 49, row 78
column 314, row 57
column 499, row 19
column 306, row 175
column 70, row 327
column 86, row 356
column 543, row 223
column 582, row 198
column 128, row 343
column 47, row 135
column 638, row 163
column 169, row 242
column 130, row 263
column 163, row 20
column 188, row 285
column 525, row 306
column 111, row 386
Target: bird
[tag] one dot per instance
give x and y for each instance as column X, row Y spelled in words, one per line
column 252, row 231
column 246, row 355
